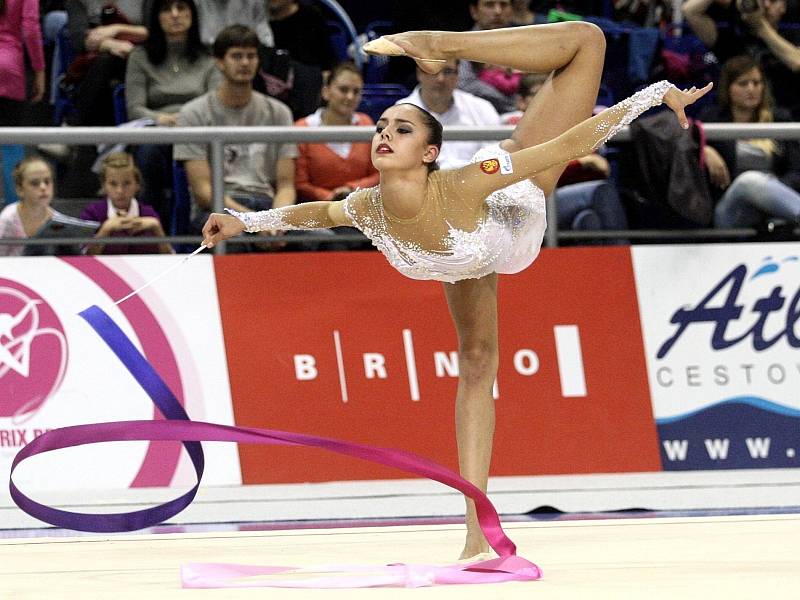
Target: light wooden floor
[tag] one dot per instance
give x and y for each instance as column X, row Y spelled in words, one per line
column 712, row 558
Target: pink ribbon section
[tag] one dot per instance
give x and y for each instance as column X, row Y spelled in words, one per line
column 178, row 427
column 496, row 570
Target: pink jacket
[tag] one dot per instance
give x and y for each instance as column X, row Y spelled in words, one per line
column 19, row 25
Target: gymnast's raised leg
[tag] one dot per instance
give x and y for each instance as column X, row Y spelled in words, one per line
column 574, row 52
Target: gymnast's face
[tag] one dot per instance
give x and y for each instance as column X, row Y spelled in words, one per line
column 401, row 140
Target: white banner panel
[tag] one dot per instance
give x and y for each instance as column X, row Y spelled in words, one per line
column 722, row 344
column 56, row 371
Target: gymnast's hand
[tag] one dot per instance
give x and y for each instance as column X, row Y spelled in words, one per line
column 677, row 100
column 220, row 227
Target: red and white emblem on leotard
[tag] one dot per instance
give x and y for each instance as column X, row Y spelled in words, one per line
column 491, row 166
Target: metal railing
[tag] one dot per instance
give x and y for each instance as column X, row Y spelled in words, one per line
column 217, row 137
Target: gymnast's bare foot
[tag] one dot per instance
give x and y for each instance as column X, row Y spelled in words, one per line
column 474, row 545
column 419, row 45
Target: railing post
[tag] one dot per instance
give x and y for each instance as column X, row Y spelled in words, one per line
column 218, row 181
column 551, row 233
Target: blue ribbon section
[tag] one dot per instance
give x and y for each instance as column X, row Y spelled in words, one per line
column 163, row 398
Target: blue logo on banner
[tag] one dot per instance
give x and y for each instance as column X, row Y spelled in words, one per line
column 732, row 310
column 744, row 432
column 747, row 430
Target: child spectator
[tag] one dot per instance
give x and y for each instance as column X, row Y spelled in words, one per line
column 33, row 179
column 120, row 214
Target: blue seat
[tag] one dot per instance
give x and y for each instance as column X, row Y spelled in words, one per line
column 605, row 97
column 377, row 97
column 120, row 106
column 11, row 155
column 339, row 40
column 63, row 105
column 377, row 66
column 181, row 206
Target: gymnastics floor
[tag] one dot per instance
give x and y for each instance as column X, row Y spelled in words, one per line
column 697, row 555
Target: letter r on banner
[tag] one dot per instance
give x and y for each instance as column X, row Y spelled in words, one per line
column 375, row 365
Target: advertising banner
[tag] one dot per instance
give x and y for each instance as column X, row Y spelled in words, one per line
column 341, row 345
column 721, row 334
column 55, row 371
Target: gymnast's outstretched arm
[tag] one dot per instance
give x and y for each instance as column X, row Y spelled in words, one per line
column 482, row 179
column 309, row 215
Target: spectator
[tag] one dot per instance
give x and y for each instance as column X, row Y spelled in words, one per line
column 411, row 15
column 585, row 198
column 756, row 178
column 486, row 14
column 169, row 69
column 332, row 171
column 258, row 175
column 521, row 14
column 752, row 29
column 216, row 16
column 302, row 30
column 33, row 179
column 439, row 95
column 20, row 34
column 120, row 214
column 103, row 35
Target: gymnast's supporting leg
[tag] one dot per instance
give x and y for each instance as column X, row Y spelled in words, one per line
column 473, row 306
column 575, row 51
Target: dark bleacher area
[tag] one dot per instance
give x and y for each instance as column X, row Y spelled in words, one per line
column 670, row 53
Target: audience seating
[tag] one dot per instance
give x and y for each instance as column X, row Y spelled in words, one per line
column 63, row 103
column 120, row 106
column 377, row 97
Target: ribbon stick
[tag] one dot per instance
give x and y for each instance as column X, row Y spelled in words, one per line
column 178, row 427
column 159, row 276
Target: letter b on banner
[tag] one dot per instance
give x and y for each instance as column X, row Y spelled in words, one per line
column 305, row 367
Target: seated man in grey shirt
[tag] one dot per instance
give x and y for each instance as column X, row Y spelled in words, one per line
column 257, row 175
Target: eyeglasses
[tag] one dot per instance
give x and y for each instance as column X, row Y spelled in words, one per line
column 447, row 72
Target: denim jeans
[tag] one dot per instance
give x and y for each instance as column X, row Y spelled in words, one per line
column 52, row 23
column 155, row 163
column 751, row 197
column 590, row 206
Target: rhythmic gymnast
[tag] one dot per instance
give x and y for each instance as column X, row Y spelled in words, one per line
column 464, row 226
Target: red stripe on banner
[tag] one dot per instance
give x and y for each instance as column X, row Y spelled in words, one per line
column 349, row 348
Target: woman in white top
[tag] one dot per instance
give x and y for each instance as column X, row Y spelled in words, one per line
column 467, row 225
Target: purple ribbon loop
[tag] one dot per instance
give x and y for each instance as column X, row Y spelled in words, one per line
column 178, row 427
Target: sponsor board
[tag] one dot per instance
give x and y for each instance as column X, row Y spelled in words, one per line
column 56, row 371
column 721, row 332
column 341, row 345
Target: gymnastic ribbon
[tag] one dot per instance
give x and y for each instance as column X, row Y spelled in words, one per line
column 178, row 427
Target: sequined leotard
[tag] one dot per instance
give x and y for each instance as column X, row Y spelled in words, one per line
column 454, row 237
column 485, row 218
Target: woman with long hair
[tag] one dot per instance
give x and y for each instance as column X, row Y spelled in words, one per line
column 169, row 69
column 755, row 179
column 466, row 225
column 332, row 171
